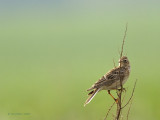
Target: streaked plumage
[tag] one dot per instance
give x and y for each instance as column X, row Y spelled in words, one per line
column 111, row 80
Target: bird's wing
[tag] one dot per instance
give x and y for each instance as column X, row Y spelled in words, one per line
column 108, row 78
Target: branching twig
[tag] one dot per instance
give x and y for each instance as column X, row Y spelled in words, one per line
column 119, row 94
column 129, row 110
column 109, row 111
column 131, row 95
column 119, row 91
column 123, row 40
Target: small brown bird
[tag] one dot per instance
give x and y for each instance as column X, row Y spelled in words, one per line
column 111, row 80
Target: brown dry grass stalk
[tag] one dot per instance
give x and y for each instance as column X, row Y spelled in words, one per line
column 109, row 111
column 120, row 91
column 129, row 109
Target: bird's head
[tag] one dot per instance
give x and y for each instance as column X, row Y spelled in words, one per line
column 124, row 62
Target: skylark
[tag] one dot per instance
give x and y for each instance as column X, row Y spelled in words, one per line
column 111, row 80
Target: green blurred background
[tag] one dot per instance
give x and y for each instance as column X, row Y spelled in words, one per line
column 52, row 51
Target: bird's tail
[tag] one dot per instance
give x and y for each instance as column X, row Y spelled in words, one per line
column 92, row 94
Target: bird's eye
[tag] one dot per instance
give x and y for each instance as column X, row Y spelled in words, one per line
column 125, row 61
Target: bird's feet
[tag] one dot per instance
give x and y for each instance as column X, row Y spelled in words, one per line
column 123, row 90
column 116, row 100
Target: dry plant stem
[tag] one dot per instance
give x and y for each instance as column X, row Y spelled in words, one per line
column 121, row 90
column 123, row 40
column 109, row 111
column 131, row 95
column 119, row 101
column 119, row 93
column 129, row 110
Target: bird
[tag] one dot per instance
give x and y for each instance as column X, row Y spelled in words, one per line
column 112, row 80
